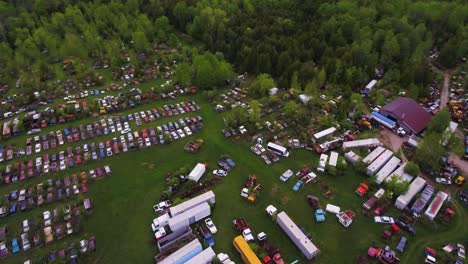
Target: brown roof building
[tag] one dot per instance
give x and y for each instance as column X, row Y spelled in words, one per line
column 408, row 114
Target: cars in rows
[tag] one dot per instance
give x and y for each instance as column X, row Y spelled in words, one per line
column 56, row 190
column 104, row 127
column 73, row 157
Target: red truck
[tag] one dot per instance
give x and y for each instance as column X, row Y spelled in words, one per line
column 362, row 189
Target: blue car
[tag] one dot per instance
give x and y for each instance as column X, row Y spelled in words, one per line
column 102, row 153
column 14, row 246
column 209, row 239
column 319, row 215
column 230, row 162
column 401, row 244
column 13, row 209
column 297, row 186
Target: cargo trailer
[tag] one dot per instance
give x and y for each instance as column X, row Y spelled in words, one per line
column 415, row 187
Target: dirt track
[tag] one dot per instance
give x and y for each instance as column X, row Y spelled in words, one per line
column 461, row 164
column 445, row 91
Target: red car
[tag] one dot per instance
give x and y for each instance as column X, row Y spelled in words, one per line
column 84, row 187
column 116, row 148
column 99, row 172
column 53, row 143
column 78, row 159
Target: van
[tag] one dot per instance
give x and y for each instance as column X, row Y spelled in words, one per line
column 430, row 259
column 7, row 114
column 159, row 222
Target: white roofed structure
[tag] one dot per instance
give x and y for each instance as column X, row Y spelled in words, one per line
column 187, row 205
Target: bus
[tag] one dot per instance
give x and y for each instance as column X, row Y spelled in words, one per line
column 280, row 150
column 247, row 254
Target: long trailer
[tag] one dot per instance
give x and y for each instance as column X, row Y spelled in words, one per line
column 333, row 159
column 323, row 133
column 398, row 173
column 297, row 236
column 387, row 170
column 435, row 205
column 182, row 255
column 383, row 120
column 415, row 187
column 370, row 142
column 373, row 155
column 379, row 162
column 189, row 217
column 187, row 205
column 423, row 200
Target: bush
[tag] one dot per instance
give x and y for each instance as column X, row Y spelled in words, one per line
column 412, row 169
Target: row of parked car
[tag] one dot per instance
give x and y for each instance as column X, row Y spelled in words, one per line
column 49, row 191
column 103, row 127
column 50, row 227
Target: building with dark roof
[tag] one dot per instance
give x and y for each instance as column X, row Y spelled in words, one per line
column 408, row 114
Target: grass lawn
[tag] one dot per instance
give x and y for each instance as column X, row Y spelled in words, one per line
column 123, row 204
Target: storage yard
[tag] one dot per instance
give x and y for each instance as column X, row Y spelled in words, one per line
column 133, row 189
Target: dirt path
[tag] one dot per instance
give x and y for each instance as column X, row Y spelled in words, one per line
column 445, row 91
column 391, row 140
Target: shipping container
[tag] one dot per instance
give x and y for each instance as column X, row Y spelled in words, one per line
column 398, row 173
column 323, row 133
column 197, row 172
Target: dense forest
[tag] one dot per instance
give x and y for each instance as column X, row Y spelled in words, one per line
column 336, row 44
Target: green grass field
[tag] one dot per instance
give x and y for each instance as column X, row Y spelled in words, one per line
column 123, row 204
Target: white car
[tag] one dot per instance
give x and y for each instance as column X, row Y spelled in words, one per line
column 75, row 189
column 260, row 148
column 161, row 206
column 242, row 130
column 188, row 131
column 62, row 165
column 109, row 152
column 211, row 226
column 384, row 219
column 112, row 128
column 126, row 125
column 83, row 246
column 221, row 173
column 25, row 242
column 26, row 226
column 245, row 192
column 119, row 127
column 147, row 142
column 47, row 219
column 69, row 228
column 37, row 148
column 443, row 181
column 461, row 251
column 181, row 133
column 286, row 175
column 174, row 135
column 247, row 234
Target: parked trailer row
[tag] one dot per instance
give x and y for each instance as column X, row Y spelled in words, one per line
column 415, row 187
column 373, row 155
column 379, row 162
column 436, row 204
column 422, row 201
column 387, row 170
